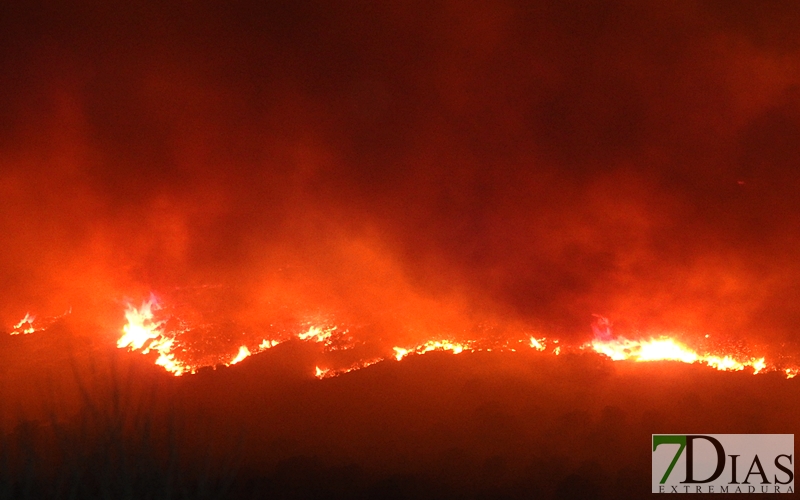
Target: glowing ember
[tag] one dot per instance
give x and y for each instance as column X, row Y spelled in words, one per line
column 322, row 373
column 537, row 344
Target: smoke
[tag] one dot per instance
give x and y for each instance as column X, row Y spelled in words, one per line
column 416, row 168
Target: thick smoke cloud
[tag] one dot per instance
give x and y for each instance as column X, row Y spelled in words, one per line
column 429, row 164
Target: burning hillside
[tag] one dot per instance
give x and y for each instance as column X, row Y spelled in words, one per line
column 347, row 189
column 182, row 347
column 143, row 332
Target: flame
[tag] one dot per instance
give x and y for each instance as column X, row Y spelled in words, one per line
column 27, row 320
column 166, row 358
column 25, row 326
column 322, row 373
column 331, row 337
column 537, row 344
column 317, row 334
column 144, row 332
column 243, row 353
column 431, row 345
column 142, row 328
column 267, row 344
column 667, row 349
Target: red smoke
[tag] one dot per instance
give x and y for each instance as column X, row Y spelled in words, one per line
column 407, row 169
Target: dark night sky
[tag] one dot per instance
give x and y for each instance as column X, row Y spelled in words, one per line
column 436, row 162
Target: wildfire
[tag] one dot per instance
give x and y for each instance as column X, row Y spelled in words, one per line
column 267, row 344
column 322, row 373
column 25, row 326
column 166, row 358
column 142, row 328
column 329, row 336
column 537, row 344
column 27, row 320
column 317, row 334
column 431, row 345
column 668, row 349
column 243, row 353
column 145, row 332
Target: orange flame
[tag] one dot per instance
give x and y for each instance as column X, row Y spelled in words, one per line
column 141, row 329
column 143, row 332
column 317, row 334
column 141, row 326
column 667, row 349
column 243, row 353
column 25, row 326
column 537, row 344
column 431, row 345
column 267, row 344
column 27, row 320
column 322, row 373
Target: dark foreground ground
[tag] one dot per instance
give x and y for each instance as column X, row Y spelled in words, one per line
column 484, row 425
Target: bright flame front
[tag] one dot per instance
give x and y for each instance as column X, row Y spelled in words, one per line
column 145, row 332
column 667, row 349
column 143, row 329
